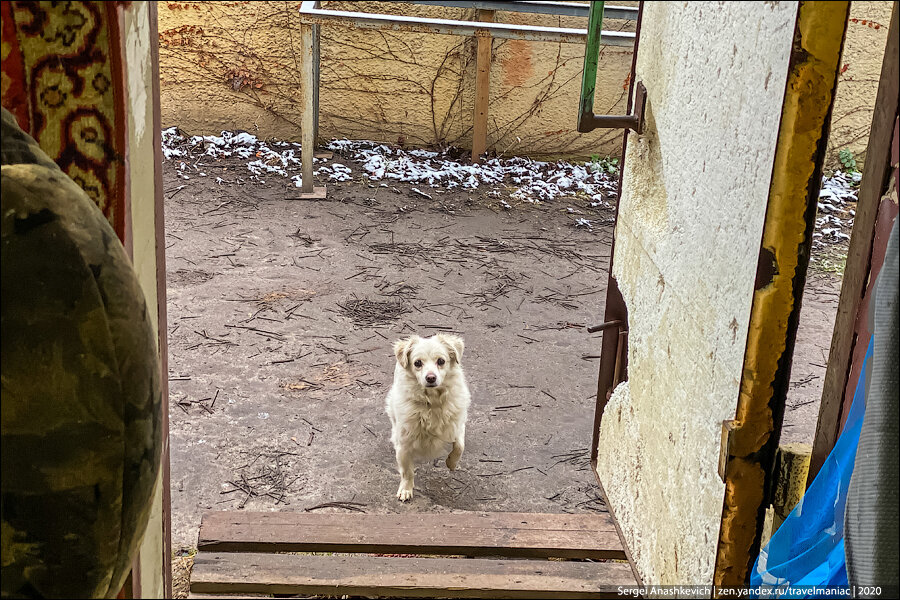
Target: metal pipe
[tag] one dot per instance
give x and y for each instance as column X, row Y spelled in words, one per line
column 604, row 326
column 310, row 14
column 635, row 121
column 587, row 120
column 591, row 58
column 566, row 9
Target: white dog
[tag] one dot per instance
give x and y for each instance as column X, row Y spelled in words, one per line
column 428, row 404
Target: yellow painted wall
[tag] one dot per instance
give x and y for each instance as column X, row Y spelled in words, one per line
column 235, row 65
column 854, row 101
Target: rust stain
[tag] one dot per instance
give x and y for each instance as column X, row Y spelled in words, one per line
column 746, row 480
column 517, row 67
column 815, row 61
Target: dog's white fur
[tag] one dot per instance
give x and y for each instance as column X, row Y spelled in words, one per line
column 428, row 404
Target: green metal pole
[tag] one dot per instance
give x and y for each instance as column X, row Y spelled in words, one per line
column 589, row 75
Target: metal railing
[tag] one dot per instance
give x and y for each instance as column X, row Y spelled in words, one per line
column 312, row 16
column 563, row 9
column 310, row 13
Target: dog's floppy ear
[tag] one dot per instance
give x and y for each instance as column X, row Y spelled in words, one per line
column 454, row 344
column 402, row 349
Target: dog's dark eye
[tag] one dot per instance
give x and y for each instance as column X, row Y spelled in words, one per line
column 418, row 364
column 441, row 362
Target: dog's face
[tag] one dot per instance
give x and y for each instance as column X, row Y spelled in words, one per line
column 431, row 360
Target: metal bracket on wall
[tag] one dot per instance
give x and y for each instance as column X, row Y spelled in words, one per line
column 587, row 120
column 620, row 347
column 728, row 428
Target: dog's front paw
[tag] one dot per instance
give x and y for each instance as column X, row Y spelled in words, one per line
column 453, row 457
column 404, row 493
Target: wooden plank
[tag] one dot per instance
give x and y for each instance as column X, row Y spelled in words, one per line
column 193, row 596
column 482, row 87
column 360, row 575
column 229, row 596
column 162, row 319
column 859, row 255
column 320, row 192
column 308, row 117
column 470, row 534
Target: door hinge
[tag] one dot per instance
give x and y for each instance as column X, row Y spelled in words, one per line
column 729, row 427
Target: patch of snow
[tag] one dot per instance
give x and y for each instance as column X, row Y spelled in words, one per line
column 583, row 223
column 170, row 137
column 335, row 172
column 535, row 181
column 423, row 194
column 835, row 215
column 524, row 178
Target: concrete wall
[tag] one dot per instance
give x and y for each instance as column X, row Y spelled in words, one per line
column 234, row 65
column 687, row 242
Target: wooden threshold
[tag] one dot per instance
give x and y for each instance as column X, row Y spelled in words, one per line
column 512, row 535
column 360, row 575
column 522, row 555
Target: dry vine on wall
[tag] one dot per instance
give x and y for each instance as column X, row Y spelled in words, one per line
column 411, row 89
column 857, row 87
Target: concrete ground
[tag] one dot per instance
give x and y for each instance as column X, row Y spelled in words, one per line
column 281, row 318
column 282, row 313
column 820, row 300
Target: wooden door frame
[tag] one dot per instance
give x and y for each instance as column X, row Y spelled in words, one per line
column 863, row 259
column 134, row 587
column 162, row 309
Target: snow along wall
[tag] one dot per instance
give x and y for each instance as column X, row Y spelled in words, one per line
column 695, row 191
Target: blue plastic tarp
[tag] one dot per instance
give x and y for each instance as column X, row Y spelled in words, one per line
column 808, row 549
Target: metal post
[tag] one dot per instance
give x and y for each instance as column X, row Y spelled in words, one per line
column 587, row 120
column 591, row 58
column 482, row 87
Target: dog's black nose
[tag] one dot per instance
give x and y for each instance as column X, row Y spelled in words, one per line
column 430, row 378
